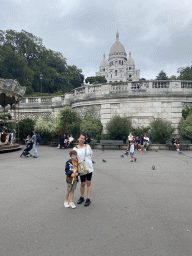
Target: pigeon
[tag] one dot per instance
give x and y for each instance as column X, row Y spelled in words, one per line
column 104, row 161
column 93, row 162
column 153, row 167
column 156, row 151
column 122, row 155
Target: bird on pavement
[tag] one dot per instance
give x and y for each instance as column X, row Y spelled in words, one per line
column 104, row 161
column 153, row 167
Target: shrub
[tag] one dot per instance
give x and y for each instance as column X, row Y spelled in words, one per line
column 25, row 127
column 185, row 127
column 70, row 121
column 160, row 131
column 140, row 131
column 45, row 128
column 118, row 128
column 187, row 111
column 91, row 126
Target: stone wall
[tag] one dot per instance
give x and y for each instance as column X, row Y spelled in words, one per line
column 140, row 101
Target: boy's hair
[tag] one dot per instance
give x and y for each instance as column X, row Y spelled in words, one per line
column 73, row 152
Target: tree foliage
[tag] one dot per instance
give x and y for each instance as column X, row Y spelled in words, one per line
column 118, row 128
column 25, row 127
column 91, row 126
column 185, row 127
column 162, row 76
column 24, row 57
column 185, row 73
column 187, row 111
column 70, row 119
column 160, row 131
column 95, row 80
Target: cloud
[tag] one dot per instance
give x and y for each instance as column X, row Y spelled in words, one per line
column 157, row 32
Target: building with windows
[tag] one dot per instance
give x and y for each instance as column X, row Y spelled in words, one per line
column 118, row 68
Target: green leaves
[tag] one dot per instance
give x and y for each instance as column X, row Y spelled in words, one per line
column 160, row 131
column 91, row 126
column 162, row 76
column 118, row 128
column 185, row 127
column 24, row 57
column 95, row 80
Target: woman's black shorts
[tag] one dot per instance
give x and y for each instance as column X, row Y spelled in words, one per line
column 86, row 177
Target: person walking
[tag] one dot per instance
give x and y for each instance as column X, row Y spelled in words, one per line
column 34, row 140
column 84, row 153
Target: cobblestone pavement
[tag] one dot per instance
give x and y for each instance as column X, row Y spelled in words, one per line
column 135, row 210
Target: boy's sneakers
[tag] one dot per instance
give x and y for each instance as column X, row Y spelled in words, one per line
column 135, row 159
column 87, row 202
column 66, row 204
column 72, row 205
column 81, row 200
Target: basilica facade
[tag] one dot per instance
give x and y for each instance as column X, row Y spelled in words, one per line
column 118, row 68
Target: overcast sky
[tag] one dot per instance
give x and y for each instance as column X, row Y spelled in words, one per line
column 157, row 32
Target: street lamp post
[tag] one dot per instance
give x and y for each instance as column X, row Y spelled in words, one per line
column 41, row 78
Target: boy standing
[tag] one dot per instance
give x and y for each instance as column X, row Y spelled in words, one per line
column 132, row 149
column 71, row 179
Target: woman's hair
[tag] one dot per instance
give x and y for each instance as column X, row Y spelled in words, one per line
column 82, row 135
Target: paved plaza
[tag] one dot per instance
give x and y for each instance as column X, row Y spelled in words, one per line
column 135, row 210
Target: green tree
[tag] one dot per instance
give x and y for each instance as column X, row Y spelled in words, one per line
column 95, row 80
column 187, row 111
column 14, row 66
column 185, row 74
column 185, row 127
column 70, row 119
column 25, row 127
column 162, row 76
column 160, row 131
column 57, row 75
column 172, row 77
column 118, row 128
column 92, row 126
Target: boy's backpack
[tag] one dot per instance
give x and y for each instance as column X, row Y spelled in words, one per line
column 38, row 138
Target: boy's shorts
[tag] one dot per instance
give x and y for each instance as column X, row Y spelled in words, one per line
column 72, row 186
column 131, row 153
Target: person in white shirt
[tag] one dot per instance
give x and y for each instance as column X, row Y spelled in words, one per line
column 146, row 142
column 84, row 153
column 70, row 140
column 130, row 138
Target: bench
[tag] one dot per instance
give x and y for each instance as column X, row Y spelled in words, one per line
column 92, row 143
column 184, row 144
column 117, row 143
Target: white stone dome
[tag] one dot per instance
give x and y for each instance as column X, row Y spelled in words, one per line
column 117, row 47
column 104, row 62
column 130, row 61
